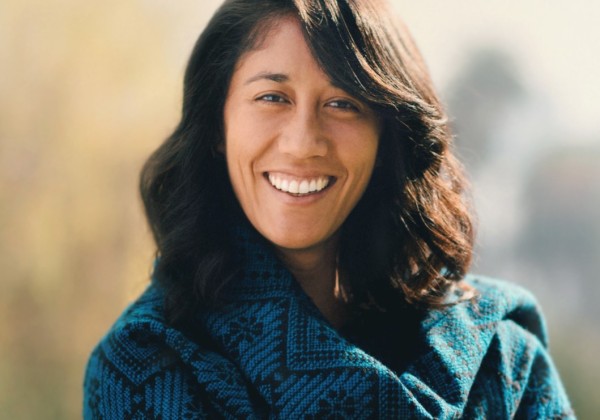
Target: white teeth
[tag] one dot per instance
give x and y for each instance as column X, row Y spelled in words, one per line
column 322, row 183
column 304, row 186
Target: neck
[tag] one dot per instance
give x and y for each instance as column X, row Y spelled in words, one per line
column 315, row 269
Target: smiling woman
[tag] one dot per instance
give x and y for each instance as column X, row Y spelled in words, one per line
column 300, row 153
column 313, row 241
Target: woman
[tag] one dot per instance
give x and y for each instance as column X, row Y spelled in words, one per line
column 313, row 242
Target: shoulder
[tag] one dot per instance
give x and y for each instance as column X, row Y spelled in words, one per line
column 138, row 336
column 492, row 303
column 145, row 368
column 502, row 302
column 493, row 308
column 141, row 356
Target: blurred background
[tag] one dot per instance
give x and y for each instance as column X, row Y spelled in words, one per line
column 89, row 89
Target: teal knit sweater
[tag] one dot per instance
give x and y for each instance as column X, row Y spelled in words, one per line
column 269, row 353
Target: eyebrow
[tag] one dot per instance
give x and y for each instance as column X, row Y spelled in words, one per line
column 280, row 78
column 265, row 75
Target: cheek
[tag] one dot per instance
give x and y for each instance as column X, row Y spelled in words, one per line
column 237, row 133
column 247, row 132
column 359, row 150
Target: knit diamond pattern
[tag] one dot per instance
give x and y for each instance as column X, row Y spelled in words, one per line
column 273, row 355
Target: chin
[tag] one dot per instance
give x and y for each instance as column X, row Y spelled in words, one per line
column 296, row 245
column 293, row 242
column 299, row 240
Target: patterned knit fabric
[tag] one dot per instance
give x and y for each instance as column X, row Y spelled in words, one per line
column 269, row 353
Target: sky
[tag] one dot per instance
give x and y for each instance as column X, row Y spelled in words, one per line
column 556, row 45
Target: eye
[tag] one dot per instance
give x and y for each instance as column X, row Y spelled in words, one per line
column 272, row 97
column 343, row 105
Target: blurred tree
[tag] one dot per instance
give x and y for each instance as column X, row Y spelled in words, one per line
column 85, row 96
column 486, row 88
column 561, row 233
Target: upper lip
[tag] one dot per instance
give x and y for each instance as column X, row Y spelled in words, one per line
column 303, row 174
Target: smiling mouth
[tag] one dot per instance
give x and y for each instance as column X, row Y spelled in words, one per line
column 300, row 186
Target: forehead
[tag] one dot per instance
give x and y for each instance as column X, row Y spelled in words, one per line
column 280, row 46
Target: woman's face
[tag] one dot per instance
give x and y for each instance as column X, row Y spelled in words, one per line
column 300, row 151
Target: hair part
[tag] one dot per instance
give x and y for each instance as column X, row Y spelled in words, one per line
column 410, row 237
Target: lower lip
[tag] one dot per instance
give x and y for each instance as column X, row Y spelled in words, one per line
column 301, row 199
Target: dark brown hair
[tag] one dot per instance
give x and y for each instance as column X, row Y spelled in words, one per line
column 410, row 237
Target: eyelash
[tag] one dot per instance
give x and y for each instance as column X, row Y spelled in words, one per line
column 275, row 98
column 344, row 105
column 339, row 104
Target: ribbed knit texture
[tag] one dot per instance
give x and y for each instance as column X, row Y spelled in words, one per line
column 273, row 355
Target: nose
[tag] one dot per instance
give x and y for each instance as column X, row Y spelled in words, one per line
column 303, row 136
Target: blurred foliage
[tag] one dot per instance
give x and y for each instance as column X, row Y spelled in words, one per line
column 87, row 91
column 537, row 192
